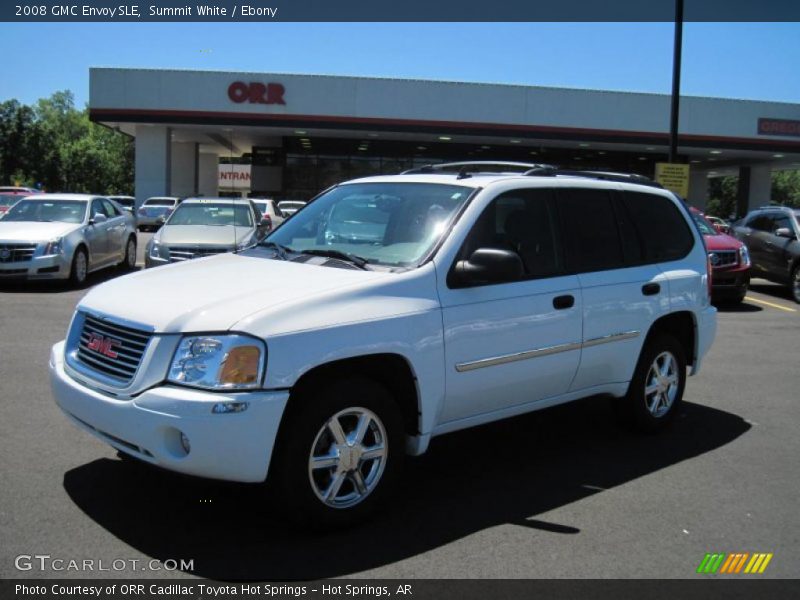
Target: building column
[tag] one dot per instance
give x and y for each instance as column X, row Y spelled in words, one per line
column 698, row 188
column 759, row 192
column 208, row 174
column 152, row 164
column 183, row 169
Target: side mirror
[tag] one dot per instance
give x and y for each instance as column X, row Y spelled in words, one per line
column 784, row 232
column 97, row 219
column 489, row 265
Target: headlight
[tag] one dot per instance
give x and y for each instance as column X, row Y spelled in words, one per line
column 744, row 256
column 158, row 251
column 219, row 362
column 54, row 246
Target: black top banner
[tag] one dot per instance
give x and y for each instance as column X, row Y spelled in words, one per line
column 398, row 11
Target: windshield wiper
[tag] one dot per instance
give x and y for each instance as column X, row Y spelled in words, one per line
column 280, row 251
column 353, row 259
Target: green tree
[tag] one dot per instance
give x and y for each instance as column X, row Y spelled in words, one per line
column 786, row 188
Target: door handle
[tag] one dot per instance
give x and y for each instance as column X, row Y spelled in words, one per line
column 651, row 289
column 562, row 302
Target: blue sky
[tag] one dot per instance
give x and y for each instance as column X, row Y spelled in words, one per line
column 738, row 60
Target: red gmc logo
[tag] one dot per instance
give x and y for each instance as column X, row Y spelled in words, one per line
column 256, row 93
column 103, row 345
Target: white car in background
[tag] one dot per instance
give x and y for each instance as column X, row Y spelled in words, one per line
column 205, row 226
column 271, row 214
column 154, row 211
column 289, row 207
column 65, row 236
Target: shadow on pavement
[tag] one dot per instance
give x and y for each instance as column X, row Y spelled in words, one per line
column 22, row 286
column 505, row 472
column 737, row 307
column 776, row 290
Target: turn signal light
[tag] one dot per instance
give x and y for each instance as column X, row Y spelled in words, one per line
column 241, row 365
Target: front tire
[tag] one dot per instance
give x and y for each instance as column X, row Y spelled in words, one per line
column 80, row 268
column 656, row 389
column 795, row 283
column 340, row 453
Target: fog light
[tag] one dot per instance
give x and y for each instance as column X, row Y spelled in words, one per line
column 222, row 408
column 187, row 447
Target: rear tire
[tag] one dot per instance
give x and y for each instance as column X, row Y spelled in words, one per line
column 339, row 454
column 129, row 260
column 656, row 390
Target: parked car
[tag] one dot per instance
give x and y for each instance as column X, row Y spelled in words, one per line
column 65, row 236
column 289, row 207
column 771, row 233
column 321, row 364
column 270, row 213
column 719, row 224
column 205, row 226
column 730, row 261
column 126, row 202
column 7, row 201
column 15, row 189
column 154, row 211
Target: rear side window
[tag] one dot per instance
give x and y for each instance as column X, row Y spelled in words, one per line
column 664, row 233
column 592, row 241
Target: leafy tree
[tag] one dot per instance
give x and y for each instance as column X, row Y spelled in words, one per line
column 56, row 145
column 786, row 188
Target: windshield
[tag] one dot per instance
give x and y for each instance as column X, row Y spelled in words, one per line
column 703, row 225
column 8, row 199
column 393, row 224
column 211, row 213
column 67, row 211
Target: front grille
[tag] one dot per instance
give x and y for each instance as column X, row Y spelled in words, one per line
column 181, row 253
column 13, row 271
column 724, row 258
column 16, row 252
column 111, row 349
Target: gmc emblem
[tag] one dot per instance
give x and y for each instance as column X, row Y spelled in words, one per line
column 256, row 93
column 103, row 345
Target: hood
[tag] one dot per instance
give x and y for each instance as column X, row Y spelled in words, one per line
column 34, row 231
column 213, row 235
column 213, row 294
column 722, row 242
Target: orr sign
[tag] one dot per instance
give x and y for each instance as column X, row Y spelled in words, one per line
column 256, row 92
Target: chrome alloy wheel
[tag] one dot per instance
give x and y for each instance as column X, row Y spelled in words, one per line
column 661, row 384
column 130, row 254
column 348, row 457
column 80, row 267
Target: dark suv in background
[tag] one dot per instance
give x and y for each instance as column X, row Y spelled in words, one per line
column 771, row 233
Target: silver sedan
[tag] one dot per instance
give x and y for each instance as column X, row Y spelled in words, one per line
column 65, row 236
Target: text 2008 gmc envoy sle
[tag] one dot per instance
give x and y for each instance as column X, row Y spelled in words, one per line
column 387, row 311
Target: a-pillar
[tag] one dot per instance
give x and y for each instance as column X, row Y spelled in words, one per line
column 153, row 162
column 183, row 179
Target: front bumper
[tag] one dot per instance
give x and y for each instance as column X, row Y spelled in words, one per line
column 56, row 266
column 730, row 283
column 706, row 332
column 233, row 447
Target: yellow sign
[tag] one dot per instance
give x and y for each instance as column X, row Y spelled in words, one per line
column 674, row 177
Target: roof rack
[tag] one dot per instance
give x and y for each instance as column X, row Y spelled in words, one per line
column 468, row 168
column 601, row 175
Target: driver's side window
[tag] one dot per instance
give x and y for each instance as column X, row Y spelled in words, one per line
column 521, row 221
column 97, row 208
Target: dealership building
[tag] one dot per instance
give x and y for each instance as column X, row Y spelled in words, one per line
column 290, row 135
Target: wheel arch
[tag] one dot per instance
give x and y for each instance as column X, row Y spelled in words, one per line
column 683, row 326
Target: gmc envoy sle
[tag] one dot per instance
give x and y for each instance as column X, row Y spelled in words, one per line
column 390, row 310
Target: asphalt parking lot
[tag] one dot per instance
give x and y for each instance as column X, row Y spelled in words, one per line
column 559, row 493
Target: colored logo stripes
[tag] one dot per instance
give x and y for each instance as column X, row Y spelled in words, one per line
column 735, row 562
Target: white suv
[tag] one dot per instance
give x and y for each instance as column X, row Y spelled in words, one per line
column 391, row 310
